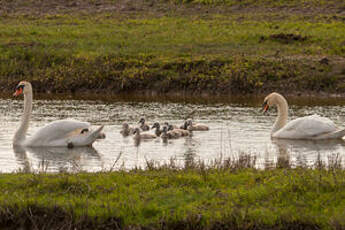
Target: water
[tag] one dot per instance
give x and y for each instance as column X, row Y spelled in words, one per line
column 235, row 127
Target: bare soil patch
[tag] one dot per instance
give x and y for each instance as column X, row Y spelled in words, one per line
column 285, row 38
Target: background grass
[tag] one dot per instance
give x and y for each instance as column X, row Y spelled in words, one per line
column 255, row 47
column 190, row 47
column 169, row 37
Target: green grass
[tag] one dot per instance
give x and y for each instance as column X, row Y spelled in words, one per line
column 203, row 199
column 216, row 51
column 167, row 37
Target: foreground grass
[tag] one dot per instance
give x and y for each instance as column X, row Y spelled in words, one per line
column 217, row 52
column 174, row 199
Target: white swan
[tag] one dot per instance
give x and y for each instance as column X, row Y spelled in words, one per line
column 68, row 133
column 311, row 127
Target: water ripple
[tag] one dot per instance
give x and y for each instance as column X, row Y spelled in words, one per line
column 235, row 128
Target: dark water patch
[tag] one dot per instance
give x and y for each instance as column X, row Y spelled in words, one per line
column 176, row 97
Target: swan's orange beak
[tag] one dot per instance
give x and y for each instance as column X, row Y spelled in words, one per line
column 18, row 91
column 265, row 107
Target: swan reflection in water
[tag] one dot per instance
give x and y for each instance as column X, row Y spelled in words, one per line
column 57, row 158
column 307, row 149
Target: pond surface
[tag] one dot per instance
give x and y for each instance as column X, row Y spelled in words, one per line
column 235, row 128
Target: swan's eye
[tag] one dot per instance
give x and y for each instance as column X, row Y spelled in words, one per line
column 20, row 87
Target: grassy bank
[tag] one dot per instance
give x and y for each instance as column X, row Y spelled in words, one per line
column 168, row 198
column 164, row 47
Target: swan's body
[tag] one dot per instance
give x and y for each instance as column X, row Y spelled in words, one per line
column 143, row 125
column 309, row 127
column 62, row 133
column 183, row 132
column 172, row 134
column 126, row 130
column 142, row 136
column 68, row 133
column 180, row 132
column 157, row 127
column 312, row 127
column 195, row 127
column 170, row 126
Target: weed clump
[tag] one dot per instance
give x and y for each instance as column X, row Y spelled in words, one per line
column 285, row 38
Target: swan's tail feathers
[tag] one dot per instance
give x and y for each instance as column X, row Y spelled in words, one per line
column 338, row 134
column 101, row 135
column 94, row 135
column 333, row 135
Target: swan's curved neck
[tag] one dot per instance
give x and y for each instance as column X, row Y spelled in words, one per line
column 283, row 108
column 20, row 135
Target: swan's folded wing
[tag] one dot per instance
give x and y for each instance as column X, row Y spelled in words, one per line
column 58, row 130
column 306, row 127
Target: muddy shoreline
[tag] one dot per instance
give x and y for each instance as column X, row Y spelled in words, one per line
column 212, row 78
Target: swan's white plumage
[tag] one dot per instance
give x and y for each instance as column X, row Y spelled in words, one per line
column 63, row 133
column 55, row 132
column 312, row 127
column 307, row 127
column 75, row 138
